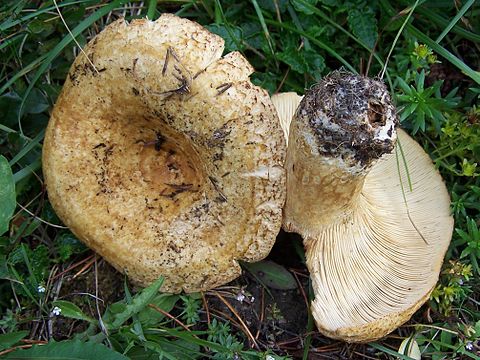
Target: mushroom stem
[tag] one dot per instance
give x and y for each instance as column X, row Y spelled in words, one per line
column 342, row 127
column 312, row 177
column 347, row 196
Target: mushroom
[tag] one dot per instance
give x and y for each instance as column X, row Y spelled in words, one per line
column 374, row 246
column 163, row 157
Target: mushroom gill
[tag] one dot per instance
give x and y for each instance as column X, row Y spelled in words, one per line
column 374, row 246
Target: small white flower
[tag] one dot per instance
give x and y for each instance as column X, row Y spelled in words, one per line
column 469, row 346
column 41, row 289
column 56, row 311
column 252, row 299
column 269, row 357
column 240, row 297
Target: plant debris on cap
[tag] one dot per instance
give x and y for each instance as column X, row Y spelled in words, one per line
column 163, row 157
column 374, row 246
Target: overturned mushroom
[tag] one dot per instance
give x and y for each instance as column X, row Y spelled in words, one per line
column 374, row 247
column 163, row 157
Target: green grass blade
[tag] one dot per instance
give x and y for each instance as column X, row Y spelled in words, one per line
column 447, row 55
column 390, row 351
column 317, row 42
column 298, row 24
column 9, row 41
column 221, row 18
column 440, row 50
column 8, row 196
column 399, row 149
column 184, row 8
column 329, row 20
column 18, row 279
column 397, row 37
column 22, row 72
column 7, row 129
column 34, row 142
column 442, row 22
column 454, row 21
column 264, row 26
column 310, row 324
column 9, row 24
column 218, row 13
column 27, row 170
column 27, row 262
column 86, row 23
column 152, row 6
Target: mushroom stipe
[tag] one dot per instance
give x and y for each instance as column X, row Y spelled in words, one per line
column 163, row 157
column 374, row 247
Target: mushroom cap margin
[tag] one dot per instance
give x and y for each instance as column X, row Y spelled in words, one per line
column 114, row 215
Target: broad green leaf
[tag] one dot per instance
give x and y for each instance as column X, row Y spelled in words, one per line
column 363, row 23
column 71, row 310
column 7, row 194
column 149, row 316
column 181, row 349
column 9, row 339
column 316, row 63
column 304, row 61
column 271, row 6
column 272, row 275
column 268, row 81
column 231, row 34
column 67, row 244
column 67, row 350
column 301, row 7
column 139, row 302
column 294, row 59
column 41, row 27
column 9, row 108
column 35, row 103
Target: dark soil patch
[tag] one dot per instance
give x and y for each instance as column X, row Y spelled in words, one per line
column 81, row 290
column 452, row 78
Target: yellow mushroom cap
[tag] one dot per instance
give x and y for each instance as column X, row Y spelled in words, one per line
column 372, row 272
column 163, row 157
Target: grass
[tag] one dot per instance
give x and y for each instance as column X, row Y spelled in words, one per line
column 45, row 270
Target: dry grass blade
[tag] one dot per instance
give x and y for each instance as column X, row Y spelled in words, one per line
column 73, row 37
column 73, row 266
column 26, row 346
column 171, row 317
column 86, row 266
column 262, row 313
column 205, row 305
column 302, row 290
column 244, row 326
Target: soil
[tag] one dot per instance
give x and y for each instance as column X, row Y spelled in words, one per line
column 451, row 79
column 81, row 291
column 277, row 319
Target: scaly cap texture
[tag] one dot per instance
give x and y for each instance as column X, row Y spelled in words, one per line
column 164, row 158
